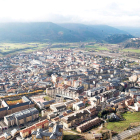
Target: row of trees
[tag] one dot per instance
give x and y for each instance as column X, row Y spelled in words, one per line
column 21, row 94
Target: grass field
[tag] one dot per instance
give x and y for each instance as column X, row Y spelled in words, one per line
column 11, row 48
column 70, row 135
column 96, row 47
column 131, row 50
column 47, row 98
column 122, row 125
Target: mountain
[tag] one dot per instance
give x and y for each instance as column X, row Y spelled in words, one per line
column 28, row 32
column 98, row 32
column 51, row 32
column 135, row 31
column 117, row 38
column 132, row 43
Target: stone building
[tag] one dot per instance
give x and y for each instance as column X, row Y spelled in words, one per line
column 21, row 117
column 55, row 133
column 75, row 118
column 7, row 110
column 28, row 131
column 89, row 124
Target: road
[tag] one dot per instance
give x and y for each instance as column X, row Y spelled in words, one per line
column 127, row 133
column 8, row 130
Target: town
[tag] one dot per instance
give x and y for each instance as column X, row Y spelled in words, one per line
column 68, row 94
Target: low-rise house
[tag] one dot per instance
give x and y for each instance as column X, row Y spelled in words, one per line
column 111, row 99
column 46, row 104
column 75, row 118
column 94, row 101
column 9, row 109
column 51, row 115
column 78, row 106
column 95, row 91
column 111, row 71
column 134, row 94
column 2, row 138
column 7, row 135
column 104, row 71
column 89, row 124
column 92, row 110
column 79, row 89
column 119, row 100
column 21, row 117
column 28, row 131
column 109, row 94
column 69, row 103
column 129, row 102
column 67, row 112
column 106, row 76
column 113, row 117
column 137, row 106
column 97, row 136
column 59, row 107
column 55, row 133
column 14, row 132
column 133, row 90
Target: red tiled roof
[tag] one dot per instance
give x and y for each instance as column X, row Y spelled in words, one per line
column 2, row 138
column 139, row 102
column 28, row 129
column 42, row 122
column 34, row 126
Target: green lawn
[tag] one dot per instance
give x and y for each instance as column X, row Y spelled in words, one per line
column 70, row 136
column 47, row 98
column 11, row 48
column 122, row 125
column 131, row 50
column 96, row 47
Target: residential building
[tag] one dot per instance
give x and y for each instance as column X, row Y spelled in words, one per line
column 58, row 107
column 75, row 118
column 28, row 131
column 78, row 106
column 55, row 133
column 21, row 117
column 88, row 125
column 7, row 109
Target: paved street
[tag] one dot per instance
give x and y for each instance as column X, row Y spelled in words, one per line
column 17, row 127
column 127, row 133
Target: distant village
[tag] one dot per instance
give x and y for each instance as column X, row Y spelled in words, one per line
column 44, row 93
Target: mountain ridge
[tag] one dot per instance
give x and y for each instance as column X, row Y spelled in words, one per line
column 52, row 32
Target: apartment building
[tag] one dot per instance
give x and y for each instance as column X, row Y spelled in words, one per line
column 76, row 118
column 55, row 133
column 89, row 124
column 29, row 130
column 21, row 117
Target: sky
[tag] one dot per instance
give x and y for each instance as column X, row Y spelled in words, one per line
column 109, row 12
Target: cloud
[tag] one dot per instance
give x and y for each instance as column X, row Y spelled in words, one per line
column 110, row 12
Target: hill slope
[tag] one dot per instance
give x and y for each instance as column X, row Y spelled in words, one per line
column 51, row 32
column 135, row 31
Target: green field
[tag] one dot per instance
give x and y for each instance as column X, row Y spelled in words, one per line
column 11, row 48
column 70, row 135
column 131, row 50
column 97, row 47
column 47, row 98
column 122, row 125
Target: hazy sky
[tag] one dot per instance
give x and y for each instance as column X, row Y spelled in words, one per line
column 110, row 12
